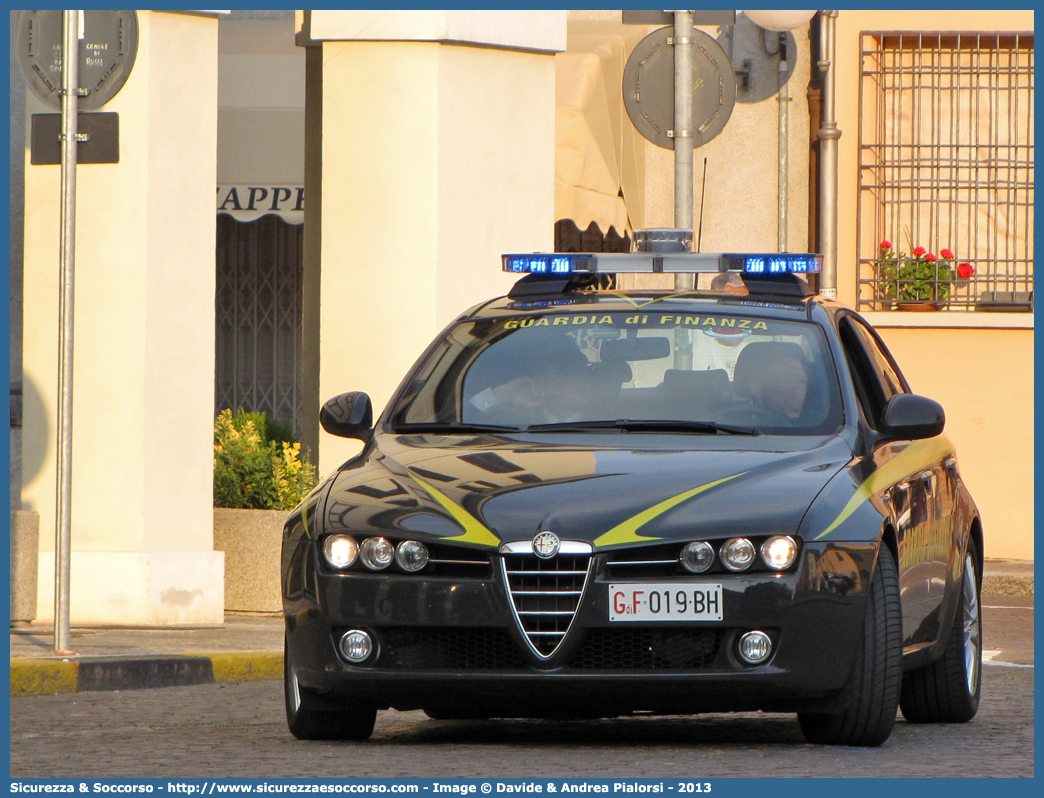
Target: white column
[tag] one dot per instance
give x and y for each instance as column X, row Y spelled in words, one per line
column 438, row 154
column 142, row 496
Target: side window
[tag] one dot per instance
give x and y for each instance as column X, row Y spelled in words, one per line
column 868, row 389
column 881, row 362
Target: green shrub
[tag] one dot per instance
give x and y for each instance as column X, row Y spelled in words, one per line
column 257, row 464
column 269, row 429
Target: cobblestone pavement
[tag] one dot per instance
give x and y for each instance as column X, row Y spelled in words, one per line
column 238, row 730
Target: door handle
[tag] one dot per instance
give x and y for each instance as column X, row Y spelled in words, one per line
column 926, row 480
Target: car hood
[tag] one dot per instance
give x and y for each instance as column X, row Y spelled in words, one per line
column 486, row 490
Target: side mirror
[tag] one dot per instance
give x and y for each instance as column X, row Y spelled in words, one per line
column 349, row 415
column 909, row 417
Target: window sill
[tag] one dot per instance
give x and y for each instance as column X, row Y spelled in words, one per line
column 953, row 319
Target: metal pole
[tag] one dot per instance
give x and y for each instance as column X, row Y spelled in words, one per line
column 684, row 52
column 684, row 48
column 63, row 516
column 828, row 136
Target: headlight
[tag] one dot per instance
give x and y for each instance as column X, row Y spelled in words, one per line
column 340, row 551
column 697, row 557
column 737, row 554
column 376, row 553
column 411, row 556
column 779, row 552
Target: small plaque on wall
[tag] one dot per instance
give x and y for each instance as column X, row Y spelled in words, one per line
column 102, row 145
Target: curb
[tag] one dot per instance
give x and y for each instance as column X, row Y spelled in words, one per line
column 31, row 677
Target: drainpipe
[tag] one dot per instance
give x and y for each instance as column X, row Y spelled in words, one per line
column 828, row 136
column 783, row 179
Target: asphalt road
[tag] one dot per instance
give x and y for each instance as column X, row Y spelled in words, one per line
column 238, row 730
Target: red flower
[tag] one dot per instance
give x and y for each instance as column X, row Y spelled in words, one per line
column 918, row 251
column 886, row 245
column 946, row 253
column 929, row 257
column 965, row 270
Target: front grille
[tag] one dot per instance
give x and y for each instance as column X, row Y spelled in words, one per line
column 647, row 649
column 644, row 562
column 544, row 595
column 470, row 648
column 448, row 648
column 457, row 562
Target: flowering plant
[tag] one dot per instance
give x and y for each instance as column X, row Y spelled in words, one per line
column 918, row 277
column 254, row 470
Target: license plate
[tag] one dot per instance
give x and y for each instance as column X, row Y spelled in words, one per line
column 662, row 602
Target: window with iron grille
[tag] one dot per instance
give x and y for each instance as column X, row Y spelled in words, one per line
column 946, row 163
column 258, row 317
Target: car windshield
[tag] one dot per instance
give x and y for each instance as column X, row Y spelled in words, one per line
column 656, row 371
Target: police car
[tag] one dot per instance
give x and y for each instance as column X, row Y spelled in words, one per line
column 584, row 502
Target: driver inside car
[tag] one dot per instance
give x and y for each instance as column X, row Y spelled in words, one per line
column 780, row 387
column 770, row 385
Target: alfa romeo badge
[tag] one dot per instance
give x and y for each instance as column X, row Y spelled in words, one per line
column 545, row 545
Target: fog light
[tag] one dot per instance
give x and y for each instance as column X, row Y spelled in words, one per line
column 376, row 553
column 737, row 554
column 779, row 552
column 755, row 647
column 697, row 557
column 356, row 646
column 340, row 551
column 411, row 556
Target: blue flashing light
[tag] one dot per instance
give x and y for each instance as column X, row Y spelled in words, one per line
column 546, row 264
column 666, row 262
column 781, row 263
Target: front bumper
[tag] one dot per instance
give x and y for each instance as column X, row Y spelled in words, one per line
column 448, row 643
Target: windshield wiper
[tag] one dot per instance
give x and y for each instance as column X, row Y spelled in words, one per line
column 645, row 425
column 452, row 427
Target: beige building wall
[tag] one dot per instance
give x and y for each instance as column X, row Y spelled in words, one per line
column 437, row 157
column 984, row 380
column 142, row 444
column 739, row 199
column 979, row 365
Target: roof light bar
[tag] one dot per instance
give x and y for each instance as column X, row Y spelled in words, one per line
column 662, row 263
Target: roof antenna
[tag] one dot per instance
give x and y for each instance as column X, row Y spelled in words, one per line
column 703, row 193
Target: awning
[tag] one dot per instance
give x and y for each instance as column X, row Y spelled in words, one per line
column 587, row 180
column 247, row 203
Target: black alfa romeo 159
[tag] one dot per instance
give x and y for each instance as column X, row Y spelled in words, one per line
column 588, row 503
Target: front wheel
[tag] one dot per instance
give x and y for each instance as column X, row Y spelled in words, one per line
column 873, row 691
column 307, row 723
column 947, row 691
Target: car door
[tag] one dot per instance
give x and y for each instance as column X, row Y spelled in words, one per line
column 922, row 500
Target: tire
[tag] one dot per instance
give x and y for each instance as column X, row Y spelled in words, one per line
column 947, row 691
column 873, row 690
column 310, row 724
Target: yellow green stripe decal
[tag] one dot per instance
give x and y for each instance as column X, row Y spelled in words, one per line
column 474, row 530
column 918, row 455
column 627, row 532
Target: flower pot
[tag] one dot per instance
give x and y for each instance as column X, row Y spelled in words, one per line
column 920, row 306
